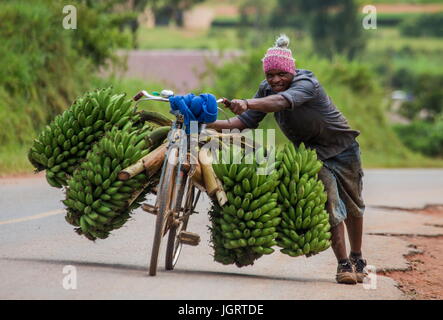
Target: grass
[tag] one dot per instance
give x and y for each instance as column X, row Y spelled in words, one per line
column 388, row 38
column 174, row 38
column 373, row 160
column 14, row 160
column 379, row 40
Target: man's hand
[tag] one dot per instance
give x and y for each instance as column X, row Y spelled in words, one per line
column 237, row 106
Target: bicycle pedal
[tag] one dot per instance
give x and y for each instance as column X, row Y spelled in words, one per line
column 149, row 208
column 189, row 238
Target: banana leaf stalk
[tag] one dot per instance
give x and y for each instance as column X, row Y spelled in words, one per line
column 213, row 187
column 155, row 117
column 151, row 163
column 155, row 138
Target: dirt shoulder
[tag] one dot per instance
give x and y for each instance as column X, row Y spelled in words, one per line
column 424, row 279
column 15, row 178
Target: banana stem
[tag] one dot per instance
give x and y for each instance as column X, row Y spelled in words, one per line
column 136, row 194
column 155, row 117
column 151, row 162
column 157, row 136
column 212, row 184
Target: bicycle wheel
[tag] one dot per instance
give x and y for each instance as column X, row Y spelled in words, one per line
column 163, row 204
column 174, row 246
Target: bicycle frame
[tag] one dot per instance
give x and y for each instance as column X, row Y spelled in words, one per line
column 172, row 188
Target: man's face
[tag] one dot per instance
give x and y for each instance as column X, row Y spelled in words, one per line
column 279, row 80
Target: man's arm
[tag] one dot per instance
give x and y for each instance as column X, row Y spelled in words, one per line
column 273, row 103
column 219, row 125
column 251, row 121
column 268, row 104
column 304, row 91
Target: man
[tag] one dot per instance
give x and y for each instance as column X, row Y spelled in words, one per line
column 306, row 114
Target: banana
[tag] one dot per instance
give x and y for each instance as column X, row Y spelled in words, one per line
column 123, row 121
column 233, row 171
column 242, row 173
column 83, row 225
column 246, row 185
column 99, row 208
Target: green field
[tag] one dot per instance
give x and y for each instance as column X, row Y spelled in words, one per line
column 175, row 38
column 388, row 38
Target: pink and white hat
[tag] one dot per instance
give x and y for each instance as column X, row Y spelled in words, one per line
column 279, row 57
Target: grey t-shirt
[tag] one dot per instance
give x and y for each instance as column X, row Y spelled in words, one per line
column 312, row 117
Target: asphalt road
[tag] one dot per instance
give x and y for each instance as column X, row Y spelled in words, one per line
column 36, row 245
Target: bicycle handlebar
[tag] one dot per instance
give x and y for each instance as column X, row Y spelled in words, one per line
column 164, row 96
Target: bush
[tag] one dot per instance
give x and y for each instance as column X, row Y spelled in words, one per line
column 430, row 25
column 427, row 91
column 43, row 67
column 424, row 137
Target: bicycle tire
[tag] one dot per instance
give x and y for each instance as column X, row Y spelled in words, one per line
column 163, row 203
column 174, row 246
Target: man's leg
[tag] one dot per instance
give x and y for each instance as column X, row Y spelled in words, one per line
column 338, row 241
column 337, row 213
column 352, row 191
column 354, row 226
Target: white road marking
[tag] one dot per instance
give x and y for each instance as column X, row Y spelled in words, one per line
column 34, row 217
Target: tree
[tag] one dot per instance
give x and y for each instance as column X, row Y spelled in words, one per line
column 167, row 10
column 121, row 14
column 333, row 24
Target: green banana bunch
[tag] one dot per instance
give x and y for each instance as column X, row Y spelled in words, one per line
column 240, row 256
column 97, row 202
column 304, row 228
column 66, row 141
column 245, row 228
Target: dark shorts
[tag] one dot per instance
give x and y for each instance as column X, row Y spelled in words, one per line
column 342, row 177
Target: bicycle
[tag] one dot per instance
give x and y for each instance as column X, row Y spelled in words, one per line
column 175, row 186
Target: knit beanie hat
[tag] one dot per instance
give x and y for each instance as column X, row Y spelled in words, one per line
column 279, row 57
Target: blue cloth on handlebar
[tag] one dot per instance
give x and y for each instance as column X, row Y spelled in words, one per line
column 201, row 108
